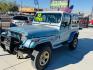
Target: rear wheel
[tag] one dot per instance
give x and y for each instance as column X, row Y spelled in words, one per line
column 42, row 59
column 73, row 44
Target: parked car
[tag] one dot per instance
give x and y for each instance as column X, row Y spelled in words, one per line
column 49, row 30
column 90, row 23
column 21, row 20
column 83, row 22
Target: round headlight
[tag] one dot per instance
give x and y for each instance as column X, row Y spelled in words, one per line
column 23, row 37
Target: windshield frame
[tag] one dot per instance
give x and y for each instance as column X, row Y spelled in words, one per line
column 42, row 22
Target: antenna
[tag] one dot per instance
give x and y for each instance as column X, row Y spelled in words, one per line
column 21, row 5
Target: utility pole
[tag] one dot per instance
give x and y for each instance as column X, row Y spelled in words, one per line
column 36, row 3
column 50, row 3
column 68, row 3
column 21, row 5
column 92, row 13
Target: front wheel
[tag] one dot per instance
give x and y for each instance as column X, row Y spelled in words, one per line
column 73, row 44
column 42, row 59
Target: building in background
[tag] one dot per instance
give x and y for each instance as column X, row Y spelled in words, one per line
column 29, row 10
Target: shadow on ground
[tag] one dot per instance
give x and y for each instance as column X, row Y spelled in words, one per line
column 63, row 57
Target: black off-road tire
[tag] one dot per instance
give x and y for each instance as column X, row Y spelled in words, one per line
column 36, row 62
column 73, row 44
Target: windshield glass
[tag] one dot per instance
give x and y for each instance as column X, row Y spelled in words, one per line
column 48, row 17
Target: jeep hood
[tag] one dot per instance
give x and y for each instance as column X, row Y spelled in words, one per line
column 35, row 31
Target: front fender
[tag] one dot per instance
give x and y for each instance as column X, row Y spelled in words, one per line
column 33, row 43
column 28, row 44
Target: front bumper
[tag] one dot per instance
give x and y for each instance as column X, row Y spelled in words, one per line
column 24, row 53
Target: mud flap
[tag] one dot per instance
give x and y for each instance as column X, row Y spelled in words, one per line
column 35, row 53
column 34, row 56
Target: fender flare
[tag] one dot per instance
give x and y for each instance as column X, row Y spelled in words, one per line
column 48, row 44
column 72, row 35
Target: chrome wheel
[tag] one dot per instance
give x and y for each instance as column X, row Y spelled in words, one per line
column 75, row 41
column 44, row 58
column 73, row 44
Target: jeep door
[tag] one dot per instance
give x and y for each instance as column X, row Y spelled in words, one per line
column 65, row 27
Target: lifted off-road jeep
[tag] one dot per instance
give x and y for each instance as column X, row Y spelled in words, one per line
column 49, row 30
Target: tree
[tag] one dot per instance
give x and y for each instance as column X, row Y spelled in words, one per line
column 8, row 5
column 13, row 7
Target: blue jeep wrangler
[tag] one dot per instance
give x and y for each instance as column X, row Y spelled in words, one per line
column 49, row 30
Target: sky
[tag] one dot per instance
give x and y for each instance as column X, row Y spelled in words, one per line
column 79, row 5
